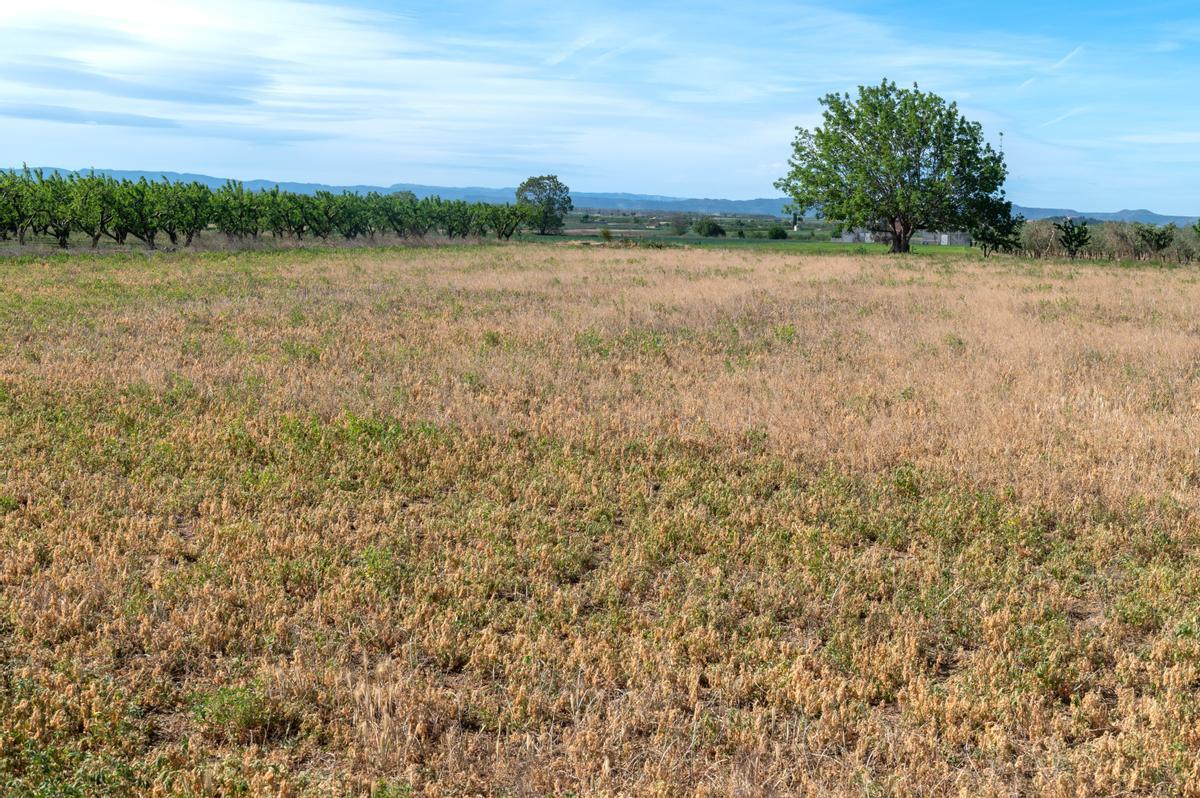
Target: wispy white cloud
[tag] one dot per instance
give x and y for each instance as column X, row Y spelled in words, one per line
column 1074, row 112
column 664, row 98
column 1066, row 59
column 579, row 45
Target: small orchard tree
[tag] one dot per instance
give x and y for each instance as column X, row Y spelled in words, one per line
column 457, row 218
column 274, row 211
column 93, row 201
column 550, row 200
column 680, row 224
column 56, row 208
column 143, row 210
column 19, row 202
column 505, row 220
column 194, row 206
column 1073, row 237
column 425, row 216
column 295, row 210
column 348, row 214
column 235, row 211
column 374, row 219
column 894, row 161
column 994, row 228
column 777, row 233
column 1156, row 239
column 121, row 222
column 169, row 198
column 399, row 211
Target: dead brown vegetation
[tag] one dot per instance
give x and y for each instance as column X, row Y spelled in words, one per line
column 543, row 520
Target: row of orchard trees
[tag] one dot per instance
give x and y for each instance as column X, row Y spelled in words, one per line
column 96, row 207
column 1119, row 241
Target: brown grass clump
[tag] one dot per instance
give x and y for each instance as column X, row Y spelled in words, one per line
column 549, row 520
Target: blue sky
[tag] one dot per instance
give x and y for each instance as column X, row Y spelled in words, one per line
column 1097, row 101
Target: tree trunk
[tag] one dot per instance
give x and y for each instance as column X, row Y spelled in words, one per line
column 901, row 237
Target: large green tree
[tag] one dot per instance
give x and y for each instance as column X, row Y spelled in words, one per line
column 895, row 161
column 549, row 200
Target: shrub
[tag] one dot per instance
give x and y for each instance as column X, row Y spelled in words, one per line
column 777, row 233
column 709, row 228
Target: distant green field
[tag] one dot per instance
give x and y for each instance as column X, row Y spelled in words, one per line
column 807, row 246
column 816, row 237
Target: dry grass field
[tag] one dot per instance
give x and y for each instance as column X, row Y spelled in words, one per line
column 558, row 520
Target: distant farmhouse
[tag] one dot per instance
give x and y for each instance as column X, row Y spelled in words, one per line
column 861, row 235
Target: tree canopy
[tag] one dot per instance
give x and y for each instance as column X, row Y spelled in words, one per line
column 709, row 228
column 1156, row 239
column 895, row 161
column 549, row 200
column 994, row 228
column 1074, row 238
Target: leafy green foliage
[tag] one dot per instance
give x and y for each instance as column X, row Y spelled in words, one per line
column 240, row 714
column 56, row 207
column 994, row 228
column 549, row 198
column 1156, row 239
column 1073, row 237
column 101, row 207
column 895, row 161
column 505, row 220
column 18, row 202
column 776, row 233
column 92, row 201
column 709, row 228
column 236, row 211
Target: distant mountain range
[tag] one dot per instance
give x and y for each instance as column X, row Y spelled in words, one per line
column 1143, row 216
column 610, row 201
